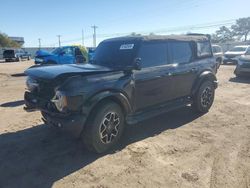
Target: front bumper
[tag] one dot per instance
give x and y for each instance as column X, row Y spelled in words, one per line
column 228, row 59
column 69, row 122
column 72, row 124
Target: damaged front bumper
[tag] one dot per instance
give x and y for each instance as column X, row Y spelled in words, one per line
column 70, row 122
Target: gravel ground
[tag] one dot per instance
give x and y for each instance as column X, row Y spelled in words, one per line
column 177, row 149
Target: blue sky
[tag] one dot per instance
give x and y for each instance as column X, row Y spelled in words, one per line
column 45, row 19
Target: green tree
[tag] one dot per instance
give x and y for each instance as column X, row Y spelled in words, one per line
column 6, row 42
column 224, row 34
column 241, row 28
column 135, row 34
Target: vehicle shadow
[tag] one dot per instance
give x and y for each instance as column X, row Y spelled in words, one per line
column 38, row 157
column 243, row 80
column 13, row 103
column 18, row 75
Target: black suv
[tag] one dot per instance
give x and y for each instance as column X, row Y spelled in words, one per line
column 15, row 55
column 129, row 80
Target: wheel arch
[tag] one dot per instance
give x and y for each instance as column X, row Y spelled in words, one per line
column 114, row 96
column 204, row 76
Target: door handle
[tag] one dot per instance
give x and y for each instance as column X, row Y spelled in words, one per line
column 194, row 70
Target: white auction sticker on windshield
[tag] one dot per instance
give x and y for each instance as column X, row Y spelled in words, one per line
column 126, row 46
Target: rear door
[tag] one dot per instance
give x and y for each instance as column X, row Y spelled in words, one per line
column 152, row 82
column 185, row 69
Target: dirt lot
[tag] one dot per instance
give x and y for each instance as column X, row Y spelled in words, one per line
column 178, row 149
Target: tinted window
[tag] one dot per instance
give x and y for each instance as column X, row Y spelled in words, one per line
column 203, row 49
column 115, row 54
column 153, row 54
column 180, row 52
column 216, row 49
column 68, row 50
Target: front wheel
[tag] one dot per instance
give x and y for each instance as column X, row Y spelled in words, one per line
column 204, row 97
column 104, row 128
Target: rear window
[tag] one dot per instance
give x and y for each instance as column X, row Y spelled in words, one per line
column 8, row 52
column 180, row 52
column 204, row 49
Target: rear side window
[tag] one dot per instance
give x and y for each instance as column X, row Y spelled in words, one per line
column 216, row 49
column 180, row 52
column 204, row 49
column 153, row 54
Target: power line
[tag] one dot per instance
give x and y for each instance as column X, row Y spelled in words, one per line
column 186, row 28
column 39, row 43
column 94, row 35
column 59, row 40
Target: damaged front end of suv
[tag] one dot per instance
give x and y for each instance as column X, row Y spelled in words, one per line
column 58, row 95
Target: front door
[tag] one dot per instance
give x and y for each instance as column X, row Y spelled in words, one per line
column 152, row 82
column 67, row 55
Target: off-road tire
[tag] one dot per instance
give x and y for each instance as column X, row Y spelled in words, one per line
column 204, row 97
column 92, row 136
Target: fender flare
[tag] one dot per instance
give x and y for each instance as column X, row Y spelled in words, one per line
column 206, row 75
column 116, row 96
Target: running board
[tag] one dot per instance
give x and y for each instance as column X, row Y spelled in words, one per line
column 140, row 116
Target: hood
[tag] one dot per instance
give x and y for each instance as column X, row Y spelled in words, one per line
column 54, row 71
column 43, row 53
column 235, row 53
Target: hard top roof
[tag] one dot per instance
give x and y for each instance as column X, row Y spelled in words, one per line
column 188, row 37
column 242, row 46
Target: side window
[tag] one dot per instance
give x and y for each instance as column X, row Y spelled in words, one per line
column 153, row 54
column 180, row 52
column 68, row 51
column 219, row 49
column 214, row 48
column 203, row 49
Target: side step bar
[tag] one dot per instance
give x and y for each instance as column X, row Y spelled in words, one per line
column 140, row 116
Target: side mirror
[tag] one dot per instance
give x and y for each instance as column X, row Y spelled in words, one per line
column 137, row 64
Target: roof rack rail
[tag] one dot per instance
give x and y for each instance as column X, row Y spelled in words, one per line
column 200, row 34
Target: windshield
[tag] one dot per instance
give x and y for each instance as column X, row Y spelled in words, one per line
column 115, row 54
column 56, row 51
column 239, row 49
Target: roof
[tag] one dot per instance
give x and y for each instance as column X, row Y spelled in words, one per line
column 189, row 37
column 242, row 46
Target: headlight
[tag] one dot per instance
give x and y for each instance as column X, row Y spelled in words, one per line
column 60, row 101
column 39, row 60
column 31, row 84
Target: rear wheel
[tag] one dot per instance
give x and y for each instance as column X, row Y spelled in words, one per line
column 104, row 128
column 204, row 98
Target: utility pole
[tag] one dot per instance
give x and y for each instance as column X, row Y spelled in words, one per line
column 59, row 40
column 82, row 37
column 39, row 41
column 94, row 35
